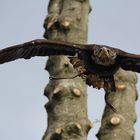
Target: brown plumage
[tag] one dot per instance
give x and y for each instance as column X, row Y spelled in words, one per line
column 96, row 63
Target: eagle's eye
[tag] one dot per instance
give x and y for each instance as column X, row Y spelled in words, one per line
column 97, row 51
column 112, row 54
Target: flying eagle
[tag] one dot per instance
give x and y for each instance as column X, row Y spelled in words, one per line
column 96, row 63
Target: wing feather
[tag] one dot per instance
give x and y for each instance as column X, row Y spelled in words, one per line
column 39, row 47
column 129, row 61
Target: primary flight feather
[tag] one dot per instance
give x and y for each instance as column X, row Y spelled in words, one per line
column 98, row 63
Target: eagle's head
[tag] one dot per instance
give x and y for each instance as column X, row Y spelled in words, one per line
column 104, row 55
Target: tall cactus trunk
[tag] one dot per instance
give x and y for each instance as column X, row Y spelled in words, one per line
column 120, row 125
column 67, row 105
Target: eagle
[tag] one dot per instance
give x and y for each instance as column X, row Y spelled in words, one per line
column 96, row 64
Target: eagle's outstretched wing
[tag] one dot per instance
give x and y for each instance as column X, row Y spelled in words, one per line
column 39, row 47
column 128, row 61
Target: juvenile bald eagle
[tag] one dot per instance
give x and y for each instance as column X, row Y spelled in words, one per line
column 98, row 63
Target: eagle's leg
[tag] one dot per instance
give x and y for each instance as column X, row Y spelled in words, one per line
column 109, row 86
column 108, row 102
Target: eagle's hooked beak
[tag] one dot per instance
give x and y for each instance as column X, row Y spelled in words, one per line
column 104, row 52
